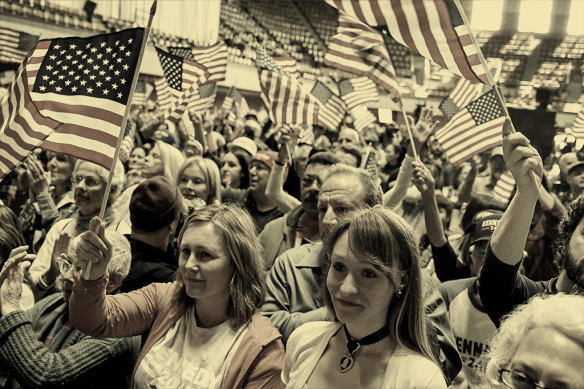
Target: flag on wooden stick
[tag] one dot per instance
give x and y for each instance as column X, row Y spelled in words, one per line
column 182, row 78
column 69, row 96
column 578, row 125
column 142, row 92
column 332, row 109
column 285, row 100
column 362, row 117
column 472, row 130
column 358, row 91
column 463, row 93
column 15, row 44
column 213, row 58
column 203, row 99
column 235, row 103
column 358, row 49
column 432, row 28
column 504, row 187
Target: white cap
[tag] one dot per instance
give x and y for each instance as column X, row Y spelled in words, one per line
column 246, row 144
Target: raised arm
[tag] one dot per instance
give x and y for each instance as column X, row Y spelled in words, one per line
column 275, row 187
column 420, row 131
column 508, row 240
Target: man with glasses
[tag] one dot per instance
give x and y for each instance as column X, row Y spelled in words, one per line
column 39, row 347
column 300, row 225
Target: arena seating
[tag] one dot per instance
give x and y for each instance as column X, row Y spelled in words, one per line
column 301, row 28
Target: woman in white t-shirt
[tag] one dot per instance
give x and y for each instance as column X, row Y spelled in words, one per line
column 203, row 330
column 377, row 337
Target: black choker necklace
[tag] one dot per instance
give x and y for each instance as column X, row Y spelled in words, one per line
column 353, row 345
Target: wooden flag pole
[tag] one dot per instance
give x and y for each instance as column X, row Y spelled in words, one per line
column 492, row 82
column 124, row 121
column 479, row 53
column 412, row 142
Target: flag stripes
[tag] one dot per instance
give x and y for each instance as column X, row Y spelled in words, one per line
column 213, row 58
column 362, row 117
column 578, row 125
column 14, row 45
column 504, row 187
column 59, row 102
column 463, row 93
column 472, row 130
column 431, row 28
column 332, row 109
column 358, row 49
column 358, row 91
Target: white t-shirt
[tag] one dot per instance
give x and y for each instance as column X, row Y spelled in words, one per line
column 189, row 356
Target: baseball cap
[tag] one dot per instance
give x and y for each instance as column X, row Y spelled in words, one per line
column 246, row 144
column 155, row 203
column 574, row 166
column 483, row 228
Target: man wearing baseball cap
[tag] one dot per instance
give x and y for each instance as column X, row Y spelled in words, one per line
column 471, row 325
column 261, row 208
column 154, row 212
column 575, row 180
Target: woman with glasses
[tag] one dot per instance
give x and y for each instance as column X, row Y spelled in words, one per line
column 539, row 345
column 377, row 336
column 89, row 182
column 203, row 330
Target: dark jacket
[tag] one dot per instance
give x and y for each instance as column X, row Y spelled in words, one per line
column 149, row 264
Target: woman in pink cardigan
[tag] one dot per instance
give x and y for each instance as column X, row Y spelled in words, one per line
column 202, row 331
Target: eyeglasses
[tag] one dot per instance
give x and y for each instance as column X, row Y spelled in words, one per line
column 518, row 380
column 89, row 181
column 65, row 265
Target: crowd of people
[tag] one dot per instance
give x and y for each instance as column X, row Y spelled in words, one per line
column 232, row 255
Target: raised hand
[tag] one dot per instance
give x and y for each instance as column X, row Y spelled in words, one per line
column 422, row 178
column 60, row 248
column 423, row 128
column 522, row 159
column 94, row 247
column 11, row 278
column 39, row 178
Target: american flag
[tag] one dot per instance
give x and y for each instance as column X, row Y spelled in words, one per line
column 578, row 125
column 70, row 96
column 362, row 117
column 204, row 98
column 358, row 91
column 142, row 92
column 286, row 101
column 288, row 65
column 235, row 103
column 182, row 78
column 357, row 48
column 504, row 187
column 472, row 130
column 213, row 58
column 432, row 28
column 332, row 109
column 15, row 44
column 463, row 93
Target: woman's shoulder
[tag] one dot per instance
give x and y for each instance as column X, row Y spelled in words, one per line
column 312, row 332
column 413, row 369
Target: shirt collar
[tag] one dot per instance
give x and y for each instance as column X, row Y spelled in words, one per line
column 315, row 256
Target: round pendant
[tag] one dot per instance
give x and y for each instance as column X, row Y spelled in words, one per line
column 346, row 363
